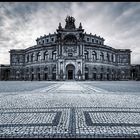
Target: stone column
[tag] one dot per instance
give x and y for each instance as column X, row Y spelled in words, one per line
column 29, row 57
column 57, row 72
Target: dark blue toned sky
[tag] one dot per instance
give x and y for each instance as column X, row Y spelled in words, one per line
column 22, row 22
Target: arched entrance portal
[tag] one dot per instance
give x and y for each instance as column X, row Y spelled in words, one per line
column 70, row 69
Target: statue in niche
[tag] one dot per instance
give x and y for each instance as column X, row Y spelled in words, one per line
column 61, row 74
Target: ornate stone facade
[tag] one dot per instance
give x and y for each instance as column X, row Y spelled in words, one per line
column 70, row 53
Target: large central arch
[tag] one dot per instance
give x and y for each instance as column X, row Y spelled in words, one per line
column 70, row 72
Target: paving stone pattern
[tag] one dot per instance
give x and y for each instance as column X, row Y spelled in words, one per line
column 70, row 110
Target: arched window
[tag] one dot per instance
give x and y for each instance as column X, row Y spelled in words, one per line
column 46, row 55
column 46, row 69
column 101, row 56
column 86, row 55
column 38, row 56
column 54, row 55
column 112, row 58
column 32, row 57
column 27, row 58
column 108, row 57
column 108, row 70
column 94, row 54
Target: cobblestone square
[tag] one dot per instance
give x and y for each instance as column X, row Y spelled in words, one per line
column 70, row 109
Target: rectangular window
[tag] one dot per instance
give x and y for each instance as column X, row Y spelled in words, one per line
column 87, row 39
column 93, row 40
column 52, row 39
column 47, row 40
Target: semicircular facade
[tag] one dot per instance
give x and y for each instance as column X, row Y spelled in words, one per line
column 70, row 54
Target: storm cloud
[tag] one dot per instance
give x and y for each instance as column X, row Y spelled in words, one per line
column 22, row 22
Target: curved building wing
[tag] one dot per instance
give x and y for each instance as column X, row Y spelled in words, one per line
column 70, row 54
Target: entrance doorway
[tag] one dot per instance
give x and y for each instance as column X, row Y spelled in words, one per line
column 70, row 71
column 32, row 78
column 39, row 76
column 70, row 74
column 94, row 76
column 46, row 76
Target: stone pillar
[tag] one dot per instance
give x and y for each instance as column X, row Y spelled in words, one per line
column 50, row 54
column 57, row 72
column 35, row 74
column 50, row 72
column 30, row 73
column 83, row 49
column 98, row 55
column 83, row 71
column 79, row 49
column 75, row 75
column 35, row 56
column 58, row 49
column 42, row 55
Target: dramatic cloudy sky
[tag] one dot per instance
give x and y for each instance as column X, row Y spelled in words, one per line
column 22, row 22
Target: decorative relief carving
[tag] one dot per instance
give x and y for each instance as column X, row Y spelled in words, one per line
column 70, row 49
